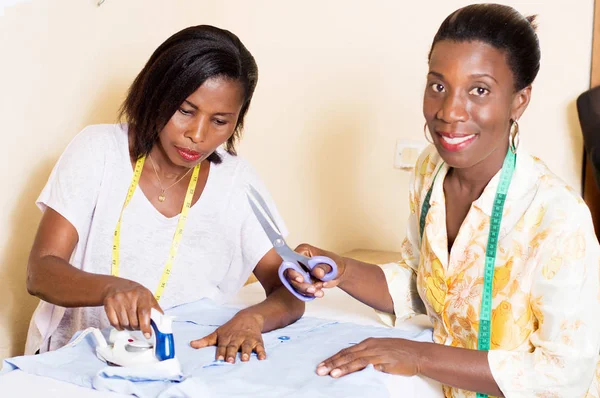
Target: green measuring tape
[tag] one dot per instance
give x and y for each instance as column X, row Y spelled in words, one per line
column 485, row 315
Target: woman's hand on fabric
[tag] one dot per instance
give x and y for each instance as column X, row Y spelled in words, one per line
column 128, row 304
column 242, row 333
column 389, row 355
column 315, row 288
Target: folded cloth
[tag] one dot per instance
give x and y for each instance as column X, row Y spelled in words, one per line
column 289, row 370
column 141, row 381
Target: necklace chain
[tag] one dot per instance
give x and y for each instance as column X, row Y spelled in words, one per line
column 162, row 197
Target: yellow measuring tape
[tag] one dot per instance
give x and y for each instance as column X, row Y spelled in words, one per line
column 187, row 204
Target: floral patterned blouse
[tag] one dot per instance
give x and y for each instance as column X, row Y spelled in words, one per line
column 546, row 293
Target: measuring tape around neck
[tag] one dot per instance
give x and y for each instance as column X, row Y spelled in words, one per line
column 485, row 315
column 187, row 204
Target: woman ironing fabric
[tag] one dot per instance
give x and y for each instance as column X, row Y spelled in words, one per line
column 500, row 254
column 152, row 213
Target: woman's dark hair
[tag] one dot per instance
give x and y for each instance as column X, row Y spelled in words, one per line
column 174, row 71
column 502, row 27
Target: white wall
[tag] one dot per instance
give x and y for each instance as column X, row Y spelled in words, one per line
column 340, row 82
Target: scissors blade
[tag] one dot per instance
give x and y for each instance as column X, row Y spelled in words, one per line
column 263, row 205
column 263, row 215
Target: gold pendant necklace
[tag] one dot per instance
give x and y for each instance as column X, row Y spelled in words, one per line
column 162, row 197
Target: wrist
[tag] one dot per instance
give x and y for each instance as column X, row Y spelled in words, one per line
column 343, row 270
column 252, row 315
column 108, row 288
column 113, row 284
column 419, row 351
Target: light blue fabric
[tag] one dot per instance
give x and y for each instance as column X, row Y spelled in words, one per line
column 292, row 356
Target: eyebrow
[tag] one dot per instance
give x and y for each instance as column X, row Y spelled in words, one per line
column 191, row 104
column 484, row 75
column 436, row 74
column 475, row 75
column 218, row 113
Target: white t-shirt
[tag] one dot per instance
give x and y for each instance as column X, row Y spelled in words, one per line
column 222, row 241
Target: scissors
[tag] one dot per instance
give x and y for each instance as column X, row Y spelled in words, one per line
column 291, row 260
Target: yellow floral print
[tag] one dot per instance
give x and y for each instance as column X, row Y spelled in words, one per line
column 507, row 332
column 545, row 334
column 436, row 288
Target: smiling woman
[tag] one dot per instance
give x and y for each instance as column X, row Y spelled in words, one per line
column 500, row 253
column 120, row 236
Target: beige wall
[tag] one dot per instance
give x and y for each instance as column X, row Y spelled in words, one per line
column 340, row 82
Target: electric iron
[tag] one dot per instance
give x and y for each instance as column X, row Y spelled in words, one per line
column 126, row 348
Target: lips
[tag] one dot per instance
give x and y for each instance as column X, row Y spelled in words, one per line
column 188, row 155
column 454, row 142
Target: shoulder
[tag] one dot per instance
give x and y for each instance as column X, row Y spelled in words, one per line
column 98, row 138
column 427, row 160
column 556, row 205
column 427, row 164
column 235, row 166
column 94, row 146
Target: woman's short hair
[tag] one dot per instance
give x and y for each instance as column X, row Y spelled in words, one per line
column 174, row 71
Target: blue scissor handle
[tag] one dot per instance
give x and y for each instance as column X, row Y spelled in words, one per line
column 292, row 265
column 312, row 263
column 316, row 260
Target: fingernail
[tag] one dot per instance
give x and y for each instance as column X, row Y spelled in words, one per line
column 335, row 373
column 220, row 358
column 322, row 370
column 325, row 284
column 299, row 279
column 147, row 335
column 319, row 293
column 230, row 360
column 310, row 289
column 245, row 357
column 321, row 364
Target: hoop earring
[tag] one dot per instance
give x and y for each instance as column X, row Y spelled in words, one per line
column 427, row 138
column 514, row 139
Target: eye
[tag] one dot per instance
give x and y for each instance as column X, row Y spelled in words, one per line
column 185, row 112
column 220, row 122
column 437, row 87
column 479, row 91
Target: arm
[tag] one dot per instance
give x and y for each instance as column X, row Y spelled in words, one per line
column 368, row 284
column 365, row 282
column 458, row 367
column 243, row 331
column 49, row 274
column 51, row 278
column 280, row 308
column 391, row 289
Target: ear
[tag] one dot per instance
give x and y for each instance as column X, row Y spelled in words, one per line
column 520, row 102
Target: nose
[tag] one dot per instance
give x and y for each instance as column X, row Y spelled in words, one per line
column 453, row 109
column 197, row 130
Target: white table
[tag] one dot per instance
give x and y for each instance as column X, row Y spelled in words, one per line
column 336, row 305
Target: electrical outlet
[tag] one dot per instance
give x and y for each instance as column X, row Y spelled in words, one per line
column 406, row 154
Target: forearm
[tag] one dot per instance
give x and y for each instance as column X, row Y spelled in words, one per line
column 278, row 310
column 55, row 281
column 457, row 367
column 367, row 283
